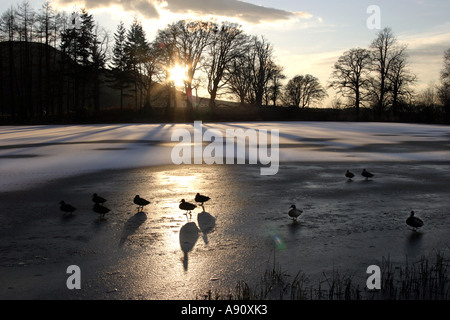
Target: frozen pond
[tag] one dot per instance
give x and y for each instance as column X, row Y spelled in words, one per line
column 35, row 154
column 160, row 254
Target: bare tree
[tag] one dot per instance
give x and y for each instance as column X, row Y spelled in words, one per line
column 382, row 47
column 400, row 78
column 226, row 45
column 167, row 56
column 240, row 71
column 273, row 92
column 46, row 22
column 250, row 72
column 151, row 70
column 445, row 72
column 99, row 49
column 261, row 56
column 428, row 97
column 8, row 27
column 25, row 17
column 351, row 76
column 190, row 39
column 389, row 59
column 444, row 87
column 301, row 91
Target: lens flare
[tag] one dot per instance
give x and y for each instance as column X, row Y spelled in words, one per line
column 279, row 242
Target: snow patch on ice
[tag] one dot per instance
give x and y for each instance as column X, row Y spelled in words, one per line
column 35, row 154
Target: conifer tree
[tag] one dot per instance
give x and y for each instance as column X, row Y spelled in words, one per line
column 118, row 66
column 136, row 50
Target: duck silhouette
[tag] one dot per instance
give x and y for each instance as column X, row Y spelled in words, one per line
column 187, row 206
column 201, row 198
column 414, row 222
column 349, row 175
column 97, row 199
column 101, row 210
column 294, row 213
column 67, row 208
column 141, row 202
column 366, row 174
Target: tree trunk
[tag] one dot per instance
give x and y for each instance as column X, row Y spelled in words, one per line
column 121, row 96
column 357, row 101
column 212, row 100
column 189, row 106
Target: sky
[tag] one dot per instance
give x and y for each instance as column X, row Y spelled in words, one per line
column 308, row 36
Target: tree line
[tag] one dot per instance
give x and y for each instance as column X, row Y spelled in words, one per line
column 50, row 63
column 379, row 78
column 54, row 63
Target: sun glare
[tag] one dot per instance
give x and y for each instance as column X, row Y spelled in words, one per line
column 177, row 75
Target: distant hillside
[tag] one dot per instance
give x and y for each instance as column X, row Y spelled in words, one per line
column 40, row 84
column 37, row 80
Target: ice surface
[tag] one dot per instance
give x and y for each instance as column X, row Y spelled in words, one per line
column 35, row 154
column 159, row 254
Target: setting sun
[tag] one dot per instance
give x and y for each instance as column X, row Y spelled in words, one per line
column 177, row 75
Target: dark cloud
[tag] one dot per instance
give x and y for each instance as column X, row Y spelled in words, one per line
column 227, row 8
column 146, row 8
column 231, row 8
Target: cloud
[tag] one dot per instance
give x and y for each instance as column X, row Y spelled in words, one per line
column 434, row 40
column 151, row 9
column 232, row 8
column 146, row 8
column 426, row 53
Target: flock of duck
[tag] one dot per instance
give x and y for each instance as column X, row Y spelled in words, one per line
column 294, row 213
column 366, row 174
column 412, row 221
column 99, row 207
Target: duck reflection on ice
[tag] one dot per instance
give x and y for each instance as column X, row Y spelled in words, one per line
column 131, row 226
column 190, row 231
column 188, row 238
column 206, row 223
